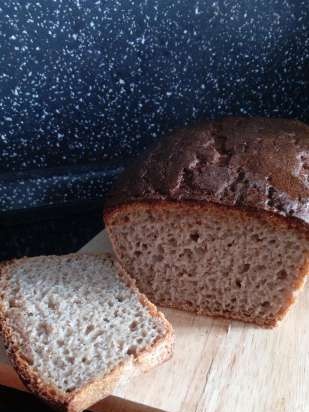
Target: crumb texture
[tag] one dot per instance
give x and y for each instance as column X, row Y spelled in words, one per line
column 74, row 318
column 222, row 263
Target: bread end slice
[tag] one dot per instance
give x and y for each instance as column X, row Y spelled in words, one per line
column 99, row 386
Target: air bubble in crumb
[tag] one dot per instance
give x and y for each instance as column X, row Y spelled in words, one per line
column 132, row 350
column 133, row 326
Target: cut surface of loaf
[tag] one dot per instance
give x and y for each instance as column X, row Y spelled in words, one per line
column 75, row 326
column 211, row 259
column 215, row 218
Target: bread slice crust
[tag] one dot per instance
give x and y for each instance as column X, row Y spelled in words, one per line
column 200, row 208
column 100, row 386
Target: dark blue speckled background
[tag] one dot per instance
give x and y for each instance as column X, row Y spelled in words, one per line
column 86, row 85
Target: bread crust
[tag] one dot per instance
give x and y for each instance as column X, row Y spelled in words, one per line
column 102, row 385
column 250, row 163
column 192, row 207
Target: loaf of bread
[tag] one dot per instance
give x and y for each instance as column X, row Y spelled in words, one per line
column 75, row 326
column 214, row 220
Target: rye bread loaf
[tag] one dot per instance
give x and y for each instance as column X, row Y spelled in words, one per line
column 215, row 218
column 75, row 326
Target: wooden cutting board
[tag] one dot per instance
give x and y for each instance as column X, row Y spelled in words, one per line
column 218, row 366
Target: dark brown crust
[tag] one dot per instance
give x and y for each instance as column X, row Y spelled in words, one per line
column 195, row 208
column 249, row 163
column 101, row 386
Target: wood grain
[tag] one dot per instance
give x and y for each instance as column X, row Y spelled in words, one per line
column 218, row 366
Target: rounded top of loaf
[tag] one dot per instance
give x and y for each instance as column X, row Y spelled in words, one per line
column 254, row 163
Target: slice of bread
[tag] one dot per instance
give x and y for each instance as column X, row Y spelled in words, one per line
column 75, row 327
